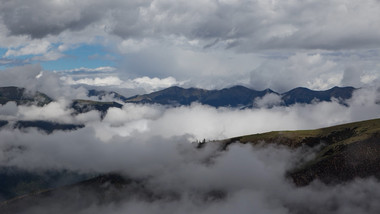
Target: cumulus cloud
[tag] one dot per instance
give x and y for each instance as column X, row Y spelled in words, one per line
column 357, row 76
column 200, row 68
column 34, row 78
column 269, row 100
column 254, row 24
column 19, row 75
column 35, row 48
column 55, row 111
column 83, row 70
column 8, row 109
column 314, row 71
column 49, row 17
column 146, row 83
column 206, row 45
column 97, row 81
column 155, row 83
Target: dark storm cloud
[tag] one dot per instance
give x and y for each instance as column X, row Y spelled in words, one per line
column 39, row 18
column 241, row 25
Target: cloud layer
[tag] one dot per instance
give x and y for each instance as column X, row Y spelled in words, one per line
column 244, row 25
column 213, row 44
column 136, row 124
column 154, row 142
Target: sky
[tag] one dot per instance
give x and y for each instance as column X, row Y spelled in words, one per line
column 146, row 45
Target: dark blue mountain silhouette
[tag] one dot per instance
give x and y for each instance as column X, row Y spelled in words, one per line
column 238, row 96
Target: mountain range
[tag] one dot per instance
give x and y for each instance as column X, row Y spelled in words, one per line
column 236, row 96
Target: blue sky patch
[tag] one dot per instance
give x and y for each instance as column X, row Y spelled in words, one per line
column 88, row 56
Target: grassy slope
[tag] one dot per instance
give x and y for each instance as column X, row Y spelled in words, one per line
column 341, row 134
column 348, row 151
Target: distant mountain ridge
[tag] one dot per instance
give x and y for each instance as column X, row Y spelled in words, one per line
column 238, row 96
column 235, row 96
column 305, row 95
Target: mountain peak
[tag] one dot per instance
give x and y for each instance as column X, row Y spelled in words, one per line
column 22, row 97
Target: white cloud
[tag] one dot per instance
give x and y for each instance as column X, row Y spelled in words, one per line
column 169, row 38
column 269, row 100
column 32, row 77
column 154, row 83
column 369, row 78
column 54, row 111
column 146, row 83
column 199, row 68
column 36, row 47
column 20, row 76
column 254, row 24
column 49, row 56
column 98, row 81
column 104, row 69
column 314, row 71
column 8, row 109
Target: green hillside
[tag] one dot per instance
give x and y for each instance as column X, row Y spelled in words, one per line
column 346, row 151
